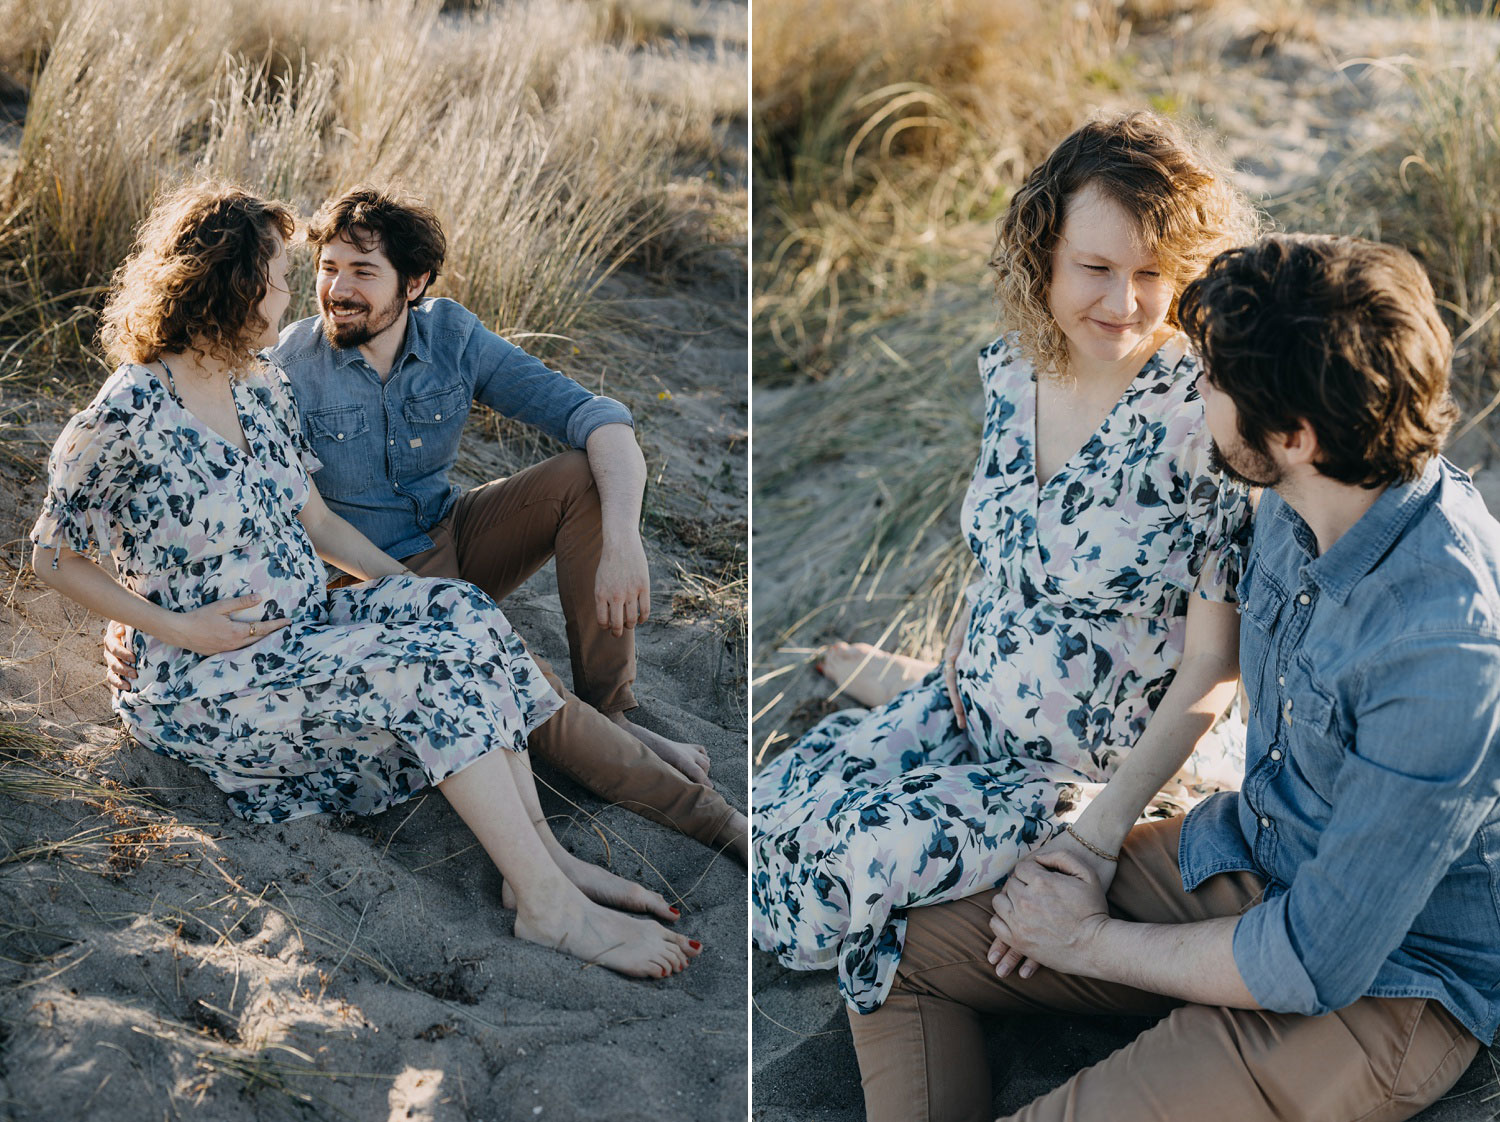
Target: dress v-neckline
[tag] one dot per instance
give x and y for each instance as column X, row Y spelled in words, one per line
column 198, row 424
column 1152, row 363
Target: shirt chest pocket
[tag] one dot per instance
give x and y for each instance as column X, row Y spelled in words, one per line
column 340, row 436
column 434, row 423
column 1313, row 743
column 1261, row 599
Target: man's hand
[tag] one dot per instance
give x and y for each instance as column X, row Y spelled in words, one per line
column 119, row 659
column 1048, row 914
column 622, row 587
column 1007, row 958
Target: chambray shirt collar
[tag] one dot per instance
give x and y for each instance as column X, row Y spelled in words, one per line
column 416, row 344
column 1351, row 558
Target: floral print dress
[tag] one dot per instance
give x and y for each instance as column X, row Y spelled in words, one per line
column 373, row 692
column 1075, row 632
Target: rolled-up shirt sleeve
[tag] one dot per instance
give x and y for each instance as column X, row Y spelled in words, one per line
column 1419, row 781
column 515, row 384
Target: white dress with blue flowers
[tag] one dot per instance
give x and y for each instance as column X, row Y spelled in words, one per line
column 1075, row 633
column 373, row 692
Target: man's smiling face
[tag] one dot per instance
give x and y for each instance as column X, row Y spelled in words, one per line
column 360, row 294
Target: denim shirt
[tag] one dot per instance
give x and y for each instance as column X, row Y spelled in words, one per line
column 387, row 448
column 1371, row 801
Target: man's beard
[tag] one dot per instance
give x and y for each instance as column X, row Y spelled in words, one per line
column 1254, row 469
column 359, row 332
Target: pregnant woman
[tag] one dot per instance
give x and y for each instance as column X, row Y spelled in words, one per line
column 190, row 468
column 1098, row 647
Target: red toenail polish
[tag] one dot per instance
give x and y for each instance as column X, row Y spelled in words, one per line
column 697, row 946
column 665, row 972
column 673, row 910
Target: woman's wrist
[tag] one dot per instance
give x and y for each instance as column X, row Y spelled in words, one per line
column 1111, row 854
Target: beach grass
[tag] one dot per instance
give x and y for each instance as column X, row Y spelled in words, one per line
column 546, row 141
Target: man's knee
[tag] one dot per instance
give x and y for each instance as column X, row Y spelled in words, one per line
column 571, row 472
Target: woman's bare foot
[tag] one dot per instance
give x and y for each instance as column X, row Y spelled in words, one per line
column 634, row 947
column 690, row 759
column 603, row 887
column 870, row 675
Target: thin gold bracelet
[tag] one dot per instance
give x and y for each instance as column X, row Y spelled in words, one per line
column 1088, row 845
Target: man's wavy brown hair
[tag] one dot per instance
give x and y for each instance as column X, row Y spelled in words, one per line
column 197, row 276
column 1183, row 200
column 1340, row 332
column 404, row 228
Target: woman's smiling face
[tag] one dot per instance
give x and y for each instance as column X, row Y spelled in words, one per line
column 1107, row 294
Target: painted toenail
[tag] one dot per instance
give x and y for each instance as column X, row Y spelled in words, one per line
column 697, row 946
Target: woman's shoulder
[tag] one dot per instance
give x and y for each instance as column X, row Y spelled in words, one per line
column 1175, row 384
column 1178, row 362
column 125, row 402
column 1003, row 354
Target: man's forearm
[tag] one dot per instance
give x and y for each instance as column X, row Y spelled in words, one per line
column 1191, row 961
column 619, row 472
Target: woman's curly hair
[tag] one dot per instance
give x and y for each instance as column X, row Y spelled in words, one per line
column 1187, row 209
column 197, row 276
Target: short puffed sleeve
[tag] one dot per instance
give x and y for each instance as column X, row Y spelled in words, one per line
column 281, row 404
column 90, row 477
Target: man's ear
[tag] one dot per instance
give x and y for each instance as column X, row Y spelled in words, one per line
column 416, row 285
column 1300, row 445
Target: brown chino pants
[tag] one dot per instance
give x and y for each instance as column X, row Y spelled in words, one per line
column 501, row 533
column 921, row 1055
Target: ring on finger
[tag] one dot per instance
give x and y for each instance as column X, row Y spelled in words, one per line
column 252, row 629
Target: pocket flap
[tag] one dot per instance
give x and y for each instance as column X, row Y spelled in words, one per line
column 438, row 407
column 338, row 422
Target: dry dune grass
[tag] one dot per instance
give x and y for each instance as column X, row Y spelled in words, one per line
column 1434, row 187
column 525, row 125
column 882, row 129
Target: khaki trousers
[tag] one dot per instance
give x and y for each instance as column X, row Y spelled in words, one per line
column 499, row 534
column 921, row 1055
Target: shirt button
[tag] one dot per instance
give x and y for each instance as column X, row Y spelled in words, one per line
column 1281, row 679
column 1288, row 705
column 1304, row 599
column 437, row 416
column 1265, row 823
column 392, row 442
column 1275, row 753
column 339, row 437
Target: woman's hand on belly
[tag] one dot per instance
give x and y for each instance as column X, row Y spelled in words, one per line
column 209, row 630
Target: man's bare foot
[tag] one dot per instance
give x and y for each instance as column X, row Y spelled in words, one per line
column 690, row 759
column 637, row 948
column 603, row 887
column 870, row 675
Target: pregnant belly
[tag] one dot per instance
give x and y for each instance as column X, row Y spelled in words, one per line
column 288, row 581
